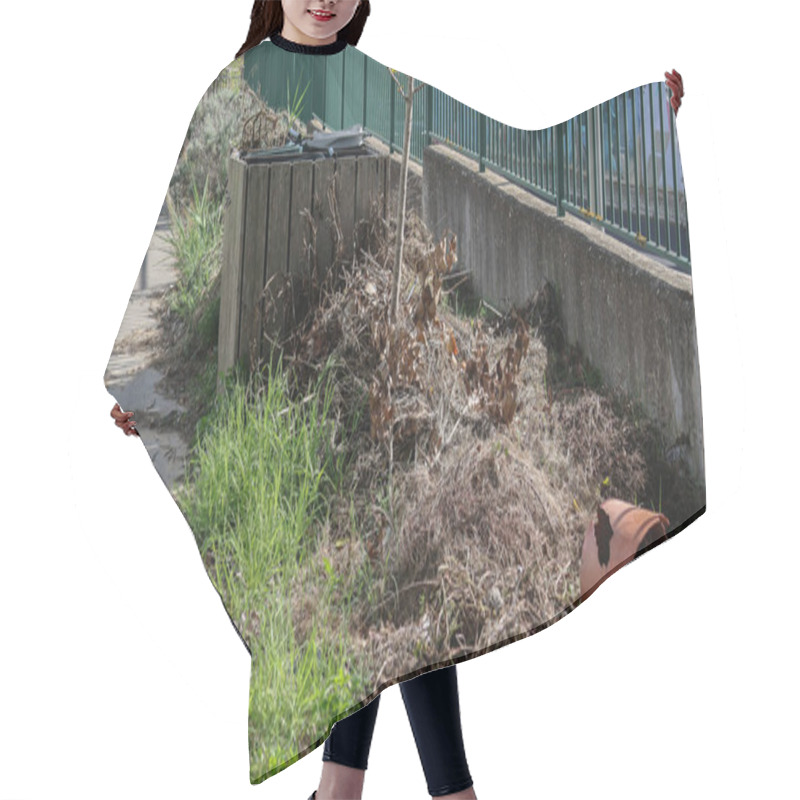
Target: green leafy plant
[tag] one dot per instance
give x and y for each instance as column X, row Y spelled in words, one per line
column 294, row 104
column 196, row 238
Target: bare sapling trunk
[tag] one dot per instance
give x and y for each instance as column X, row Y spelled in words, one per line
column 408, row 96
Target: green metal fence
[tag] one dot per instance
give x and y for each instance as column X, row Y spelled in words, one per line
column 616, row 164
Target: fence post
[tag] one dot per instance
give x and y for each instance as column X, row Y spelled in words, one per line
column 482, row 143
column 559, row 131
column 428, row 114
column 324, row 114
column 344, row 88
column 595, row 153
column 392, row 94
column 364, row 65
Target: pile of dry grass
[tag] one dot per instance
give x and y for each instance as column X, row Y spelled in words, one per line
column 472, row 477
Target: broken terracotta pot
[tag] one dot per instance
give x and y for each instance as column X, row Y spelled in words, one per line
column 614, row 538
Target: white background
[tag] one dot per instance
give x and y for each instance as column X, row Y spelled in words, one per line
column 120, row 674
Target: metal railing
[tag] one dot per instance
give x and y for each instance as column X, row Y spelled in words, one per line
column 616, row 165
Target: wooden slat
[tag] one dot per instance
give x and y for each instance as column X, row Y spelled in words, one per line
column 302, row 184
column 369, row 201
column 321, row 209
column 302, row 180
column 253, row 264
column 345, row 197
column 280, row 185
column 387, row 164
column 230, row 288
column 300, row 236
column 362, row 194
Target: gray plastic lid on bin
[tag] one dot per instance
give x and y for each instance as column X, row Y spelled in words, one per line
column 336, row 140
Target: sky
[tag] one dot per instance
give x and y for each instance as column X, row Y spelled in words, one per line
column 120, row 673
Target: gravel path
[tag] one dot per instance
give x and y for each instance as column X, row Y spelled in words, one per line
column 130, row 376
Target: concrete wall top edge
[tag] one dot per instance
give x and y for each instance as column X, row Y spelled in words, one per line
column 597, row 238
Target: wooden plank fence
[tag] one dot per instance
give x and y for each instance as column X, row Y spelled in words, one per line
column 278, row 232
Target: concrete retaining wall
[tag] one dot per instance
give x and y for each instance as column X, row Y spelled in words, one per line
column 632, row 317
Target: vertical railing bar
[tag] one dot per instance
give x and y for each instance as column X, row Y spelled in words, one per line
column 344, row 74
column 619, row 165
column 636, row 160
column 584, row 115
column 627, row 164
column 541, row 181
column 576, row 144
column 325, row 94
column 482, row 143
column 546, row 161
column 579, row 149
column 364, row 110
column 579, row 163
column 532, row 156
column 392, row 93
column 596, row 161
column 529, row 156
column 571, row 193
column 587, row 166
column 449, row 121
column 644, row 164
column 655, row 173
column 661, row 101
column 610, row 161
column 559, row 168
column 610, row 176
column 674, row 150
column 591, row 147
column 428, row 113
column 602, row 165
column 597, row 158
column 509, row 157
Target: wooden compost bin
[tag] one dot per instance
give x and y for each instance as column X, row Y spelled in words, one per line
column 268, row 245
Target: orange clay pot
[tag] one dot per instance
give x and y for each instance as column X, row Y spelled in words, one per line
column 613, row 539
